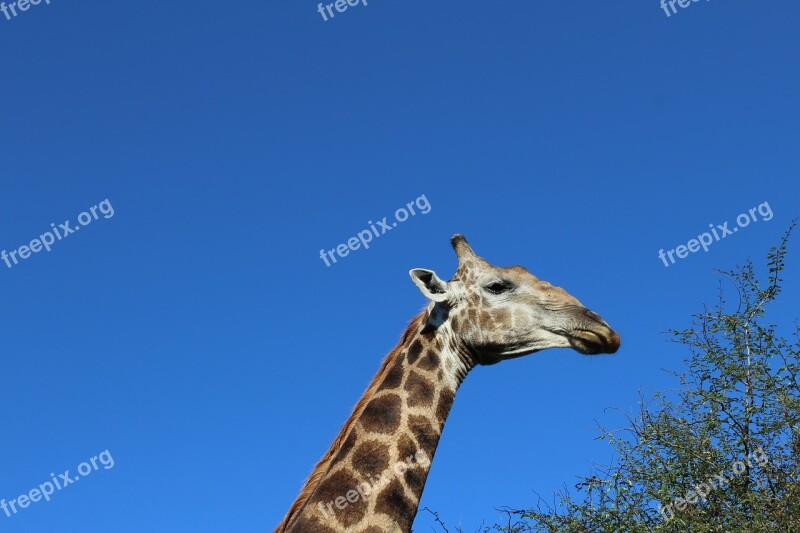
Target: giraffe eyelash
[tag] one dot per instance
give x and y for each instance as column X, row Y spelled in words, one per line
column 499, row 287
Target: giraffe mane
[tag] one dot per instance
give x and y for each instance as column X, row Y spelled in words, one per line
column 323, row 465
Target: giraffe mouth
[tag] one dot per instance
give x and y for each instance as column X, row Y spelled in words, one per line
column 590, row 342
column 593, row 335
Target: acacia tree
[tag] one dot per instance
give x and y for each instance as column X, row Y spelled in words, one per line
column 723, row 453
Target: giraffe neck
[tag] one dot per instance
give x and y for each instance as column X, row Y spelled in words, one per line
column 372, row 477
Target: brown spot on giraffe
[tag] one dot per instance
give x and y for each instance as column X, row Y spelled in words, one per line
column 429, row 360
column 395, row 376
column 503, row 316
column 393, row 502
column 420, row 390
column 337, row 486
column 348, row 445
column 444, row 404
column 426, row 434
column 414, row 478
column 382, row 415
column 414, row 351
column 406, row 449
column 371, row 458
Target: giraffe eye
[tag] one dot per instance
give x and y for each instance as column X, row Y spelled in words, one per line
column 498, row 287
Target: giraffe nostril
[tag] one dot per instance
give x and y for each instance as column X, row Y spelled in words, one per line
column 593, row 316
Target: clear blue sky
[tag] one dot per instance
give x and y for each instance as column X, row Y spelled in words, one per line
column 198, row 336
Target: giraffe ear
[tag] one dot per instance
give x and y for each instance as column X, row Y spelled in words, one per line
column 430, row 285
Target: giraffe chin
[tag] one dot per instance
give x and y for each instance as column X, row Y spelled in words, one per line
column 488, row 357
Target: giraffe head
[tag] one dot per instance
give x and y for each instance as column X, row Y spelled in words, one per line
column 501, row 313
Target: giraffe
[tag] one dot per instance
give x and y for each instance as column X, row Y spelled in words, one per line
column 371, row 478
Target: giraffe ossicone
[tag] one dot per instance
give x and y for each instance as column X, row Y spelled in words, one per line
column 369, row 481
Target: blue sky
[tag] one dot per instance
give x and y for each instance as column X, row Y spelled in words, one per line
column 197, row 335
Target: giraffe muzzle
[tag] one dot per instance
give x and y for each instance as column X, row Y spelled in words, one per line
column 594, row 336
